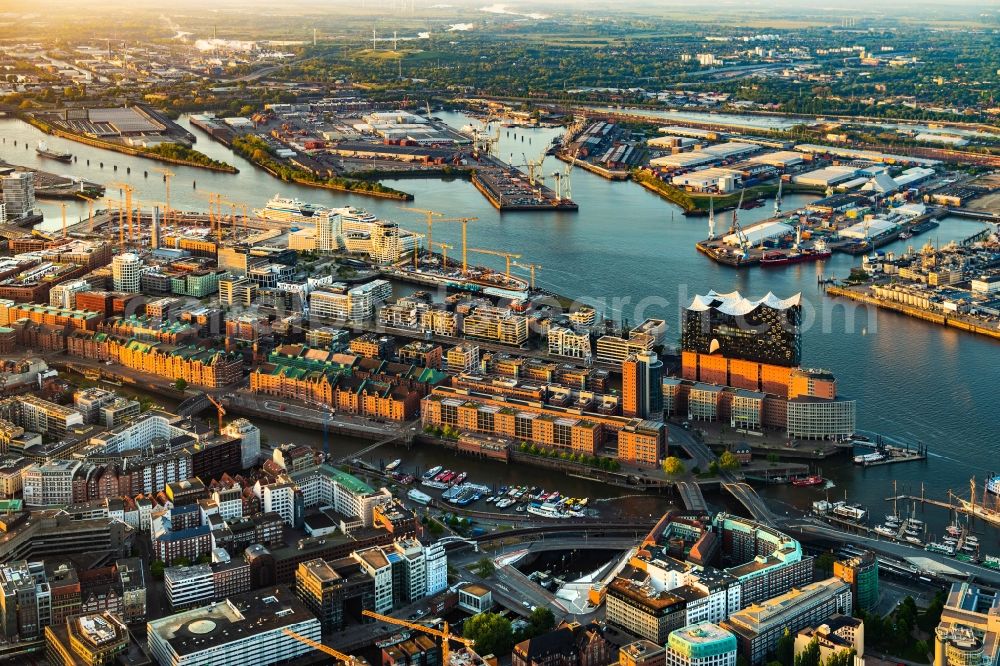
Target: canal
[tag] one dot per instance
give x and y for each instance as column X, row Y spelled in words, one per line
column 631, row 253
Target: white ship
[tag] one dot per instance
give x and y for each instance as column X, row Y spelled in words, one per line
column 545, row 511
column 283, row 209
column 419, row 497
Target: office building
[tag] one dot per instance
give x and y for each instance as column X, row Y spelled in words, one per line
column 436, row 567
column 759, row 626
column 18, row 194
column 92, row 639
column 642, row 653
column 249, row 435
column 37, row 415
column 125, row 270
column 237, row 291
column 198, row 584
column 475, row 598
column 63, row 295
column 244, row 629
column 642, row 386
column 614, row 350
column 49, row 483
column 24, row 601
column 703, row 644
column 969, row 630
column 861, row 573
column 835, row 636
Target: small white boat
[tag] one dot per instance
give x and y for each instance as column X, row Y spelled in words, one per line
column 393, row 465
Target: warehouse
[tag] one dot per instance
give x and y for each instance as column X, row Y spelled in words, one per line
column 731, row 149
column 684, row 160
column 781, row 159
column 875, row 227
column 671, row 142
column 712, row 179
column 760, row 233
column 826, row 177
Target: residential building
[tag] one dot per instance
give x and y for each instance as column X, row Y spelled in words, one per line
column 614, row 350
column 243, row 629
column 378, row 566
column 475, row 598
column 49, row 483
column 37, row 415
column 63, row 295
column 342, row 303
column 565, row 341
column 462, row 358
column 237, row 291
column 436, row 559
column 496, row 325
column 249, row 435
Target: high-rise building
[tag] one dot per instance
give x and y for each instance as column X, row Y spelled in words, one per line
column 125, row 271
column 642, row 385
column 703, row 644
column 154, row 229
column 18, row 194
column 861, row 573
column 249, row 436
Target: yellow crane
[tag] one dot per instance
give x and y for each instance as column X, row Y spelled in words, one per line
column 532, row 268
column 218, row 408
column 465, row 226
column 430, row 215
column 444, row 253
column 90, row 210
column 62, row 207
column 508, row 256
column 167, row 175
column 443, row 633
column 346, row 658
column 128, row 190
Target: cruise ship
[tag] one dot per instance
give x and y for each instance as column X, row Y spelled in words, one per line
column 288, row 210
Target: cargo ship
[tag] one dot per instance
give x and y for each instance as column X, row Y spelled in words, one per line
column 43, row 149
column 795, row 256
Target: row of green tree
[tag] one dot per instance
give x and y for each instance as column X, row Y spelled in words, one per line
column 494, row 634
column 601, row 462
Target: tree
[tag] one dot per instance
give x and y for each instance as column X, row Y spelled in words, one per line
column 484, row 567
column 784, row 652
column 825, row 562
column 491, row 632
column 673, row 466
column 809, row 656
column 541, row 620
column 156, row 568
column 713, row 467
column 180, row 384
column 841, row 658
column 729, row 461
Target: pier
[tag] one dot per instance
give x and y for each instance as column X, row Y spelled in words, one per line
column 509, row 189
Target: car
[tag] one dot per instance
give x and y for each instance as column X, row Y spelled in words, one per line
column 526, row 604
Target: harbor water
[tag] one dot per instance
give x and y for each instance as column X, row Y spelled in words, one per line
column 632, row 253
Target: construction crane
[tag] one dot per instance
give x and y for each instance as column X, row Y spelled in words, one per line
column 444, row 253
column 62, row 207
column 532, row 268
column 508, row 256
column 560, row 188
column 741, row 236
column 340, row 656
column 430, row 214
column 465, row 226
column 167, row 175
column 128, row 190
column 443, row 633
column 90, row 210
column 218, row 408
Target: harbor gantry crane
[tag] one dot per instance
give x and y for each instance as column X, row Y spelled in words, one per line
column 508, row 256
column 741, row 236
column 444, row 634
column 218, row 408
column 444, row 253
column 316, row 645
column 430, row 215
column 532, row 268
column 62, row 207
column 465, row 235
column 167, row 175
column 128, row 190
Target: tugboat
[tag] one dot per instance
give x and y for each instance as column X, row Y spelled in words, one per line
column 43, row 149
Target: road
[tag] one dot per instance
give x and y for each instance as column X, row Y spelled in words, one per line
column 749, row 498
column 700, row 454
column 692, row 496
column 900, row 551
